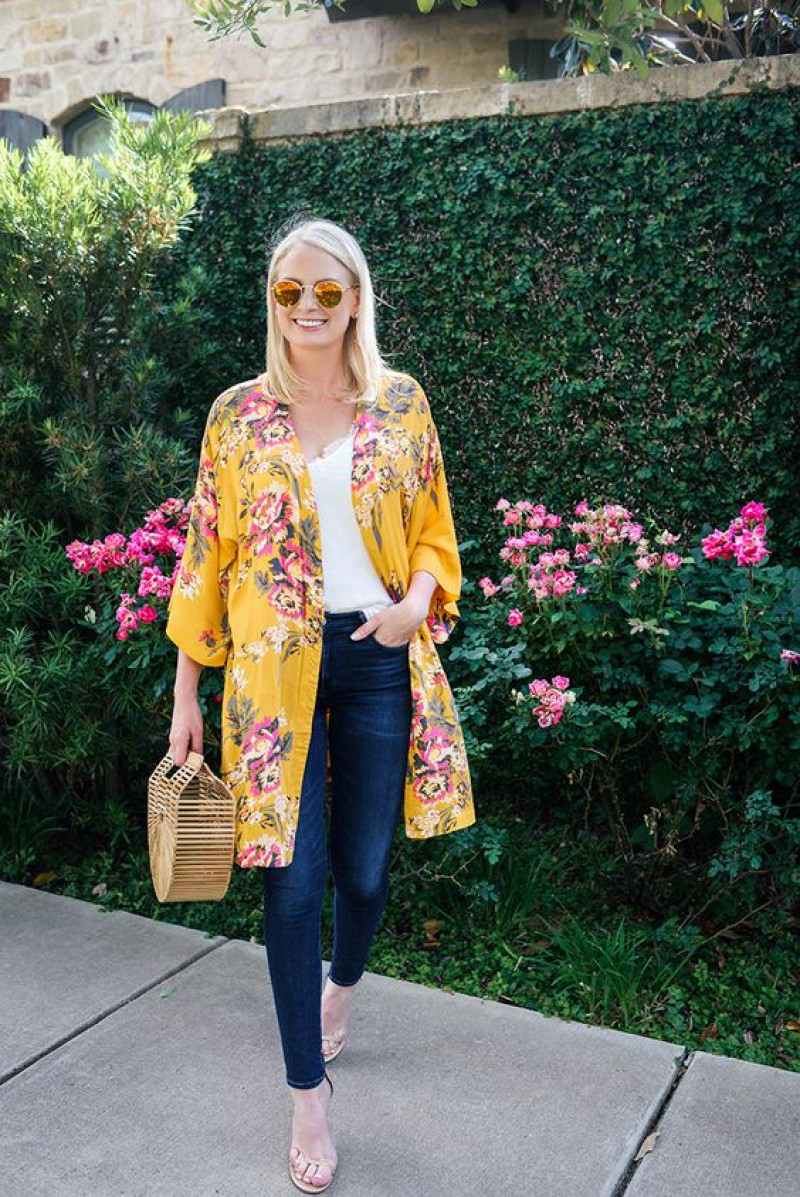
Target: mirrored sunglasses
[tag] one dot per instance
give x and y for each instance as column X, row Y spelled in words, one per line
column 327, row 293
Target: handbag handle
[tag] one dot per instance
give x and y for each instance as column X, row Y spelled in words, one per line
column 193, row 759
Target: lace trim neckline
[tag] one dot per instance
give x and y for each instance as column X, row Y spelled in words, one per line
column 330, row 449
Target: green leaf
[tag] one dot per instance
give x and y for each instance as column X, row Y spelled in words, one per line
column 715, row 11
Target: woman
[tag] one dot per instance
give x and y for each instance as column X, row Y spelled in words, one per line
column 328, row 465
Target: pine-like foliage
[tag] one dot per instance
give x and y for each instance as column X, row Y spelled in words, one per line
column 89, row 442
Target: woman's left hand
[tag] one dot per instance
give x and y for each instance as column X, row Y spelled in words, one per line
column 398, row 623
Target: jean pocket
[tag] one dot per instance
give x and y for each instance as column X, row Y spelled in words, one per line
column 389, row 648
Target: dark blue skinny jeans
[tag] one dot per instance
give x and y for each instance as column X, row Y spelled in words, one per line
column 367, row 689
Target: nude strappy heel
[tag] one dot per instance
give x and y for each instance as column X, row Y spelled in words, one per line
column 304, row 1160
column 331, row 1046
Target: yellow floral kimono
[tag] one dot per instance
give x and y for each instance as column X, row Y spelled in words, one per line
column 249, row 596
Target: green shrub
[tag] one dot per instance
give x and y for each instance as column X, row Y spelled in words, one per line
column 665, row 700
column 586, row 314
column 89, row 439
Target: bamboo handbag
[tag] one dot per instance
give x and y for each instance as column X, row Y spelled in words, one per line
column 191, row 820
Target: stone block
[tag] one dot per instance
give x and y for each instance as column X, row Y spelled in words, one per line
column 389, row 81
column 315, row 119
column 226, row 134
column 491, row 44
column 85, row 25
column 281, row 35
column 463, row 101
column 27, row 10
column 61, row 8
column 10, row 36
column 410, row 51
column 56, row 108
column 50, row 30
column 361, row 44
column 66, row 52
column 103, row 49
column 30, row 83
column 77, row 90
column 319, row 62
column 544, row 96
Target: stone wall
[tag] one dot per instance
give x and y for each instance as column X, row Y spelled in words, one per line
column 703, row 81
column 56, row 55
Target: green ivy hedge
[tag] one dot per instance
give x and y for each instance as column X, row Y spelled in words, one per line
column 601, row 303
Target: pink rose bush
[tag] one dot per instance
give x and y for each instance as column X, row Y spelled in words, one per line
column 602, row 534
column 162, row 535
column 744, row 539
column 673, row 694
column 545, row 575
column 552, row 697
column 132, row 580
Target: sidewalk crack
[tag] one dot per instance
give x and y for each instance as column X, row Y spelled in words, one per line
column 653, row 1125
column 81, row 1028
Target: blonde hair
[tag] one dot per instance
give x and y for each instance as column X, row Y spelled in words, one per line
column 363, row 362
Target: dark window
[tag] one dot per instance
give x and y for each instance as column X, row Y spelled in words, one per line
column 88, row 133
column 21, row 130
column 530, row 58
column 210, row 94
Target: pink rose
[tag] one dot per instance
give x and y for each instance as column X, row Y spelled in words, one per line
column 514, row 618
column 718, row 544
column 749, row 550
column 754, row 511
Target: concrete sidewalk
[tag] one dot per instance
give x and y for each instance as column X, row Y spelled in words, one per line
column 138, row 1057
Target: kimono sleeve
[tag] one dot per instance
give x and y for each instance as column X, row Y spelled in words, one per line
column 198, row 607
column 431, row 535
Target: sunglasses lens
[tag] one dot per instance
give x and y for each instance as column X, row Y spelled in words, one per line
column 329, row 295
column 287, row 294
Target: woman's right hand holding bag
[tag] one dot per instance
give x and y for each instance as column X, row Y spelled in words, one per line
column 186, row 733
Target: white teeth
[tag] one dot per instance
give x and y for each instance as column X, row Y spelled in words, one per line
column 310, row 323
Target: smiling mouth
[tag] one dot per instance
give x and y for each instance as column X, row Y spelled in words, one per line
column 310, row 323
